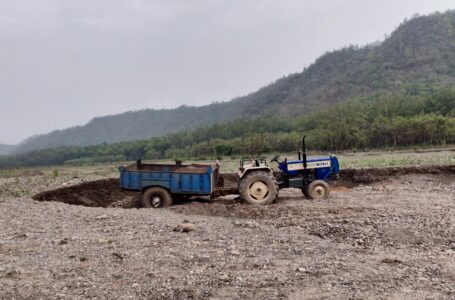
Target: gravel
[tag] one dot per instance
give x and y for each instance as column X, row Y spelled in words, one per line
column 391, row 239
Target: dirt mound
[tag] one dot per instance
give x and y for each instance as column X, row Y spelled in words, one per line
column 98, row 193
column 227, row 184
column 352, row 177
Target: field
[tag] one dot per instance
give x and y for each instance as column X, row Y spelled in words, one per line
column 384, row 233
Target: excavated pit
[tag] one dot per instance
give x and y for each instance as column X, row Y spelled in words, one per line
column 107, row 192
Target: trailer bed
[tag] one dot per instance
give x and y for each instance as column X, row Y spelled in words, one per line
column 192, row 179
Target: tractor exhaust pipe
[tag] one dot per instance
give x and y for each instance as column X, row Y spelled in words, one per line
column 304, row 152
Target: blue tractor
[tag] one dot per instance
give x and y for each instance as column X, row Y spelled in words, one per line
column 260, row 185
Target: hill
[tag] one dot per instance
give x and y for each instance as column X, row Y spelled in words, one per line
column 6, row 149
column 419, row 53
column 405, row 119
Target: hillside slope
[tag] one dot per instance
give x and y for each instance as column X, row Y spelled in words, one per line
column 419, row 52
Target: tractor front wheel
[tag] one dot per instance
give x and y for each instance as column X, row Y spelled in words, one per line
column 318, row 189
column 259, row 188
column 156, row 197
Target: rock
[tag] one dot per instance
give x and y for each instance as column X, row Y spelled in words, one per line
column 389, row 260
column 117, row 255
column 185, row 227
column 101, row 217
column 224, row 277
column 64, row 241
column 21, row 235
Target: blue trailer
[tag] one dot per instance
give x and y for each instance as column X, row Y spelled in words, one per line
column 160, row 183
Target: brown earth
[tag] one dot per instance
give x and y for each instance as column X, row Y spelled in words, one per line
column 97, row 193
column 391, row 238
column 370, row 175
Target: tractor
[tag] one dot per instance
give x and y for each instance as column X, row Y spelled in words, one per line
column 259, row 184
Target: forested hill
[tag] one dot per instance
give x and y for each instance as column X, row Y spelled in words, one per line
column 424, row 118
column 420, row 52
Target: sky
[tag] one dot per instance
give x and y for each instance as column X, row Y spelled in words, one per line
column 63, row 62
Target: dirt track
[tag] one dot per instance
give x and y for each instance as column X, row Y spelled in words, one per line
column 393, row 238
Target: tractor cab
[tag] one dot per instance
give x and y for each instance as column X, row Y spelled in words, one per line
column 249, row 165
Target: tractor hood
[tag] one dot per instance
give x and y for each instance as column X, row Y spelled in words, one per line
column 324, row 167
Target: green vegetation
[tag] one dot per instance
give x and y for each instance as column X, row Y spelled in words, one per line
column 414, row 116
column 420, row 53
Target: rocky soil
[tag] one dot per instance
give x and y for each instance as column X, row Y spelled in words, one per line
column 393, row 238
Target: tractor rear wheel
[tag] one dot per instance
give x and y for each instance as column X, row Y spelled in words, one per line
column 156, row 197
column 259, row 188
column 305, row 192
column 318, row 189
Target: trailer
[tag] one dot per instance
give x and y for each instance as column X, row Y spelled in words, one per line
column 160, row 184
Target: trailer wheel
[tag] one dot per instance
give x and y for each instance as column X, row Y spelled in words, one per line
column 318, row 189
column 156, row 197
column 258, row 188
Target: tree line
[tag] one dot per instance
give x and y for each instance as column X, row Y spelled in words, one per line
column 412, row 117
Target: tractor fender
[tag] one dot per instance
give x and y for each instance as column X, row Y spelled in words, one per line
column 253, row 169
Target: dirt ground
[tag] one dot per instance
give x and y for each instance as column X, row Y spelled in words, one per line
column 388, row 233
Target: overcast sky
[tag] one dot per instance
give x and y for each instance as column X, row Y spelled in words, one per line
column 65, row 62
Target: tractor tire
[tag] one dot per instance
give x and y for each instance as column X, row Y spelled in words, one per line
column 156, row 197
column 259, row 188
column 305, row 192
column 318, row 189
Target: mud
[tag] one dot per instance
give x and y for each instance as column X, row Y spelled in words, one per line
column 107, row 192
